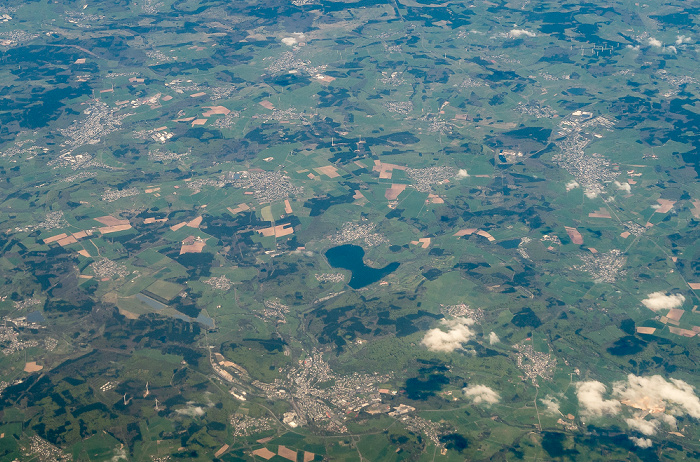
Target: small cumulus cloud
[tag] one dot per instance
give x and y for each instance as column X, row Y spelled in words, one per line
column 573, row 184
column 654, row 42
column 493, row 338
column 481, row 394
column 551, row 405
column 294, row 39
column 516, row 33
column 457, row 333
column 591, row 193
column 682, row 39
column 643, row 443
column 119, row 454
column 671, row 49
column 590, row 399
column 623, row 186
column 647, row 427
column 462, row 173
column 659, row 394
column 656, row 301
column 192, row 411
column 633, row 47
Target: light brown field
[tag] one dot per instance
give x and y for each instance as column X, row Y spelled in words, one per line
column 465, row 232
column 55, row 238
column 394, row 192
column 325, row 78
column 358, row 195
column 213, row 110
column 79, row 61
column 241, row 208
column 221, row 450
column 424, row 242
column 329, row 170
column 694, row 285
column 267, row 105
column 80, row 234
column 675, row 314
column 486, row 234
column 109, row 220
column 625, row 235
column 311, row 176
column 386, row 170
column 196, row 122
column 109, row 90
column 666, row 205
column 167, row 98
column 114, row 229
column 151, row 190
column 592, row 250
column 84, row 253
column 287, row 206
column 150, row 220
column 197, row 95
column 434, row 199
column 128, row 314
column 646, row 330
column 195, row 223
column 185, row 119
column 192, row 245
column 602, row 213
column 264, row 453
column 696, row 208
column 277, row 231
column 67, row 241
column 575, row 236
column 682, row 332
column 178, row 226
column 284, row 451
column 264, row 440
column 32, row 366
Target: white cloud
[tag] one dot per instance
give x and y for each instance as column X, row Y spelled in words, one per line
column 623, row 186
column 462, row 173
column 493, row 338
column 643, row 443
column 658, row 394
column 633, row 47
column 551, row 404
column 289, row 41
column 119, row 454
column 591, row 193
column 481, row 394
column 591, row 402
column 192, row 411
column 660, row 301
column 458, row 333
column 515, row 33
column 573, row 184
column 671, row 49
column 654, row 42
column 681, row 39
column 647, row 427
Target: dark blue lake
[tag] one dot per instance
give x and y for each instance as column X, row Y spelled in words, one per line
column 350, row 257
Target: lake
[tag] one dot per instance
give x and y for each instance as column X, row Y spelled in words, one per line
column 350, row 257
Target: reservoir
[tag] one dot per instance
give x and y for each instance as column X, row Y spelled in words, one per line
column 350, row 257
